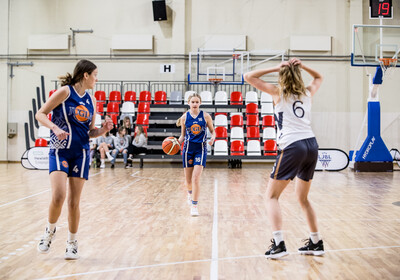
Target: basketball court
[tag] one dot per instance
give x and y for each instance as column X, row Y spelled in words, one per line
column 136, row 223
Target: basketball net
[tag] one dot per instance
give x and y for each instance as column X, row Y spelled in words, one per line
column 387, row 65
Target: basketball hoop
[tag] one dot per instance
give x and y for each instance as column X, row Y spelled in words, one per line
column 387, row 65
column 215, row 81
column 235, row 56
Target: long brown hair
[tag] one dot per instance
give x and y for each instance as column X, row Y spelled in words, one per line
column 82, row 67
column 290, row 81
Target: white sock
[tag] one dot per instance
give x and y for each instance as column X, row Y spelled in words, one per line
column 278, row 236
column 315, row 237
column 51, row 226
column 102, row 161
column 71, row 236
column 108, row 154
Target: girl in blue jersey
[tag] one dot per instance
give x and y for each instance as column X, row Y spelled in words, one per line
column 72, row 124
column 298, row 148
column 194, row 125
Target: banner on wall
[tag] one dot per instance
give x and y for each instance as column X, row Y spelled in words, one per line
column 36, row 158
column 332, row 160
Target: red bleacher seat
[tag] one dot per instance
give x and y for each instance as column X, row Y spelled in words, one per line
column 115, row 96
column 143, row 120
column 51, row 92
column 160, row 97
column 100, row 108
column 236, row 98
column 144, row 107
column 114, row 118
column 253, row 132
column 130, row 96
column 252, row 120
column 237, row 120
column 221, row 133
column 145, row 96
column 237, row 148
column 270, row 148
column 251, row 108
column 267, row 121
column 100, row 96
column 40, row 142
column 112, row 107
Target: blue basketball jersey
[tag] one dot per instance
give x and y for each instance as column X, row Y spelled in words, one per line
column 73, row 115
column 196, row 128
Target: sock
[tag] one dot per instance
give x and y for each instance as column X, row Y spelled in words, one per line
column 51, row 226
column 278, row 236
column 315, row 237
column 190, row 192
column 102, row 160
column 194, row 202
column 71, row 236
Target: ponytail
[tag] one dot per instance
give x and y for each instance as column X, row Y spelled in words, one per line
column 67, row 80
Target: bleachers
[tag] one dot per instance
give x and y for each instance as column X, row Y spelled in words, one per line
column 245, row 125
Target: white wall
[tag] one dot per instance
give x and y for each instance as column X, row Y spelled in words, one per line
column 338, row 107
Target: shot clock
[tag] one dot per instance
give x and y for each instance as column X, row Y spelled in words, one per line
column 380, row 9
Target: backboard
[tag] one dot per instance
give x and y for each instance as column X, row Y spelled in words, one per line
column 372, row 42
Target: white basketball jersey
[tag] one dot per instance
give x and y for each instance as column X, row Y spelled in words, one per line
column 293, row 118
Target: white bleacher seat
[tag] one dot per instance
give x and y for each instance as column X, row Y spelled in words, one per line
column 44, row 132
column 128, row 107
column 97, row 122
column 220, row 148
column 237, row 134
column 209, row 149
column 175, row 97
column 187, row 94
column 269, row 133
column 267, row 109
column 221, row 120
column 266, row 98
column 206, row 98
column 253, row 148
column 221, row 98
column 208, row 134
column 251, row 97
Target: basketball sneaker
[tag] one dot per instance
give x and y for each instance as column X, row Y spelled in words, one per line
column 189, row 199
column 102, row 166
column 194, row 211
column 44, row 244
column 71, row 253
column 109, row 156
column 312, row 249
column 276, row 252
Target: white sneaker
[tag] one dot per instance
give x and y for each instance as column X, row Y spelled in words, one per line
column 189, row 199
column 194, row 211
column 44, row 244
column 71, row 253
column 103, row 165
column 109, row 156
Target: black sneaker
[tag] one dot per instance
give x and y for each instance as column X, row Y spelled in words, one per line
column 312, row 249
column 276, row 252
column 112, row 165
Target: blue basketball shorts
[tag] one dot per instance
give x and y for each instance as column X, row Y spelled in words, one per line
column 194, row 154
column 74, row 163
column 298, row 159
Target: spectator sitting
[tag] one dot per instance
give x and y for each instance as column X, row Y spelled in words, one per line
column 113, row 131
column 105, row 144
column 139, row 143
column 128, row 127
column 93, row 148
column 121, row 144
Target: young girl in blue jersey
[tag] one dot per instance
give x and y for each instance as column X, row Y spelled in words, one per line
column 298, row 148
column 73, row 123
column 194, row 125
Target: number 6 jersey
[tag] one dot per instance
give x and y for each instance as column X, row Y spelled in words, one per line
column 293, row 118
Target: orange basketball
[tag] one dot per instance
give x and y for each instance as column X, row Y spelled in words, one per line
column 171, row 145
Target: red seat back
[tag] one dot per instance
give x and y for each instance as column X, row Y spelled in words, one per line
column 221, row 133
column 112, row 107
column 130, row 96
column 237, row 120
column 100, row 95
column 237, row 148
column 160, row 97
column 40, row 142
column 252, row 108
column 145, row 96
column 268, row 120
column 253, row 132
column 144, row 107
column 100, row 107
column 114, row 118
column 270, row 148
column 51, row 92
column 143, row 120
column 236, row 98
column 252, row 120
column 115, row 96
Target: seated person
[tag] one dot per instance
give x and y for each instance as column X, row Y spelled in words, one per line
column 121, row 144
column 139, row 143
column 105, row 144
column 113, row 131
column 128, row 127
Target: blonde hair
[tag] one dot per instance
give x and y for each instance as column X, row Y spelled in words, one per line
column 195, row 94
column 290, row 81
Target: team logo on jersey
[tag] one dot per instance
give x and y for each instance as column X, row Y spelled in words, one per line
column 64, row 163
column 195, row 129
column 81, row 113
column 190, row 161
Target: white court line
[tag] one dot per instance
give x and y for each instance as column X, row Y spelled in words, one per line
column 29, row 196
column 128, row 185
column 214, row 255
column 198, row 261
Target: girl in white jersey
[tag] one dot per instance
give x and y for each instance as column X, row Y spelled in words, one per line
column 298, row 148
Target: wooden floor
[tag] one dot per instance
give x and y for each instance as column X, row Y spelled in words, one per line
column 135, row 224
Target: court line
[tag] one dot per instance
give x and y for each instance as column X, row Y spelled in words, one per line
column 199, row 261
column 214, row 254
column 36, row 194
